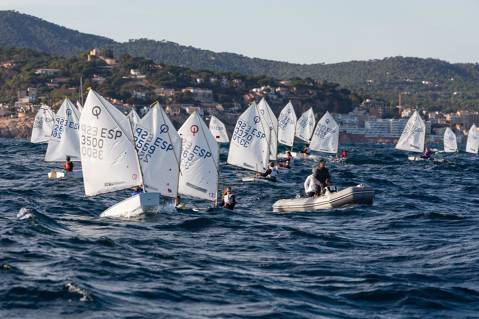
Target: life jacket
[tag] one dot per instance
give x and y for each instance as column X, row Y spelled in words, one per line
column 68, row 166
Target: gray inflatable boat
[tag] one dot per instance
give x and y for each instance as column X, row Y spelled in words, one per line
column 332, row 198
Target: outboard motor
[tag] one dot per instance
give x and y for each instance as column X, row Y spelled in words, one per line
column 331, row 189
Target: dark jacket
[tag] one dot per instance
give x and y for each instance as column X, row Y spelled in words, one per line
column 322, row 175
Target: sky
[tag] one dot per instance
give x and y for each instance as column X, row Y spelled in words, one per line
column 299, row 31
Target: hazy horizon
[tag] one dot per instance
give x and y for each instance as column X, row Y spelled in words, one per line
column 304, row 32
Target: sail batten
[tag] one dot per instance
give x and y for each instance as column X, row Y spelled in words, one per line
column 413, row 136
column 287, row 125
column 326, row 135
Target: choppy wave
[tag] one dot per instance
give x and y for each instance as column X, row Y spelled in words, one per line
column 414, row 253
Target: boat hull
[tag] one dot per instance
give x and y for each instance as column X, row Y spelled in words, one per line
column 134, row 206
column 62, row 174
column 356, row 195
column 257, row 179
column 299, row 155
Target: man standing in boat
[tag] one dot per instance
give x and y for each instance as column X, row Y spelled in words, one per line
column 322, row 176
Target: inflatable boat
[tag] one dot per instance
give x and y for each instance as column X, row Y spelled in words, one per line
column 332, row 198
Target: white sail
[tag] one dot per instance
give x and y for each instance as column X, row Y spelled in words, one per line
column 249, row 146
column 64, row 140
column 42, row 125
column 133, row 117
column 450, row 141
column 413, row 136
column 270, row 121
column 287, row 125
column 218, row 129
column 79, row 106
column 199, row 160
column 472, row 145
column 305, row 125
column 158, row 145
column 326, row 135
column 108, row 156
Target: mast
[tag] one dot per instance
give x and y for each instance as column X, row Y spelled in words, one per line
column 81, row 90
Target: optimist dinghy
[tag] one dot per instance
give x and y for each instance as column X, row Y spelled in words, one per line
column 413, row 137
column 249, row 146
column 472, row 145
column 54, row 174
column 116, row 158
column 332, row 198
column 64, row 140
column 258, row 179
column 134, row 206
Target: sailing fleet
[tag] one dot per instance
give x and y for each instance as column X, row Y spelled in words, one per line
column 413, row 139
column 119, row 152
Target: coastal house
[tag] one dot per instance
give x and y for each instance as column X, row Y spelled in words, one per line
column 173, row 110
column 7, row 64
column 190, row 109
column 46, row 71
column 202, row 95
column 136, row 74
column 98, row 78
column 165, row 92
column 141, row 95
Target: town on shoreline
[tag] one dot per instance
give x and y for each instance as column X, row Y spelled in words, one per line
column 140, row 81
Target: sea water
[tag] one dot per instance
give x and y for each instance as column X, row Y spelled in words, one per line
column 414, row 253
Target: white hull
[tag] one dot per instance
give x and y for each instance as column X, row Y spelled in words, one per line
column 134, row 206
column 62, row 174
column 257, row 179
column 299, row 155
column 357, row 195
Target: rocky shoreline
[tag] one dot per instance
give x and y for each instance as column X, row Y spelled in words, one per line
column 16, row 127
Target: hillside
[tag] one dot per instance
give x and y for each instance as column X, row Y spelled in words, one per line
column 431, row 83
column 141, row 81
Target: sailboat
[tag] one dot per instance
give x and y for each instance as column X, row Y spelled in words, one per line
column 304, row 130
column 326, row 135
column 42, row 125
column 133, row 117
column 218, row 129
column 472, row 145
column 64, row 139
column 450, row 141
column 413, row 137
column 249, row 146
column 270, row 121
column 199, row 175
column 109, row 158
column 158, row 145
column 287, row 126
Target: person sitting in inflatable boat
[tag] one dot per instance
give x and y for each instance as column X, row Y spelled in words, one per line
column 321, row 173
